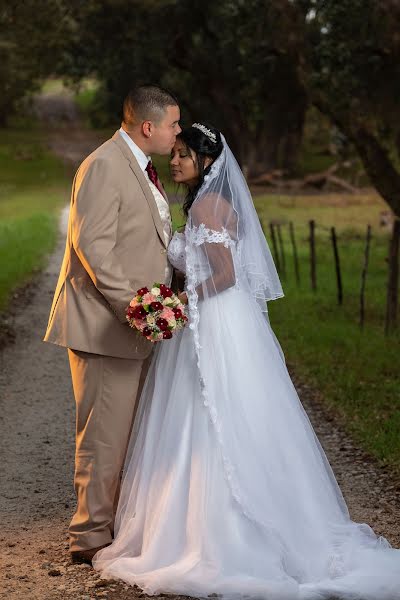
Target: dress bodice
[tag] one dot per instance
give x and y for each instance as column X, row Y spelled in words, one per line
column 176, row 252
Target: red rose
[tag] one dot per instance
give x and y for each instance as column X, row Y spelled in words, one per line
column 146, row 331
column 165, row 291
column 162, row 324
column 177, row 312
column 142, row 291
column 130, row 311
column 167, row 335
column 156, row 306
column 139, row 312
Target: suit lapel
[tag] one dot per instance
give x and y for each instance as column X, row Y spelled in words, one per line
column 142, row 182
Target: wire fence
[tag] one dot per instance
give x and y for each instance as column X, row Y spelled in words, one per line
column 276, row 232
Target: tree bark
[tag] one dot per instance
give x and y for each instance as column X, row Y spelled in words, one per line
column 291, row 143
column 379, row 167
column 393, row 279
column 374, row 156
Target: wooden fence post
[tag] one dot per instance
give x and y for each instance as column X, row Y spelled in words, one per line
column 295, row 257
column 364, row 276
column 282, row 251
column 393, row 279
column 275, row 246
column 337, row 266
column 312, row 256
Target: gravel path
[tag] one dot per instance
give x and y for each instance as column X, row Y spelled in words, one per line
column 36, row 466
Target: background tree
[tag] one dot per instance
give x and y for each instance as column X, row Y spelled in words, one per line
column 250, row 67
column 224, row 60
column 351, row 67
column 244, row 78
column 31, row 42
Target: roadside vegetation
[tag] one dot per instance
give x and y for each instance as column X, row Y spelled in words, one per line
column 33, row 188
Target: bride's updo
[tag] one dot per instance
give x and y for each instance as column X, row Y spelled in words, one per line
column 205, row 141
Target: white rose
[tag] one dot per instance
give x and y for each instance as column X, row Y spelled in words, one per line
column 168, row 302
column 155, row 291
column 151, row 320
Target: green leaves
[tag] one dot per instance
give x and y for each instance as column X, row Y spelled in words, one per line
column 31, row 43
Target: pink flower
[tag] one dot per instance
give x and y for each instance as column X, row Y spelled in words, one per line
column 140, row 324
column 148, row 298
column 133, row 302
column 167, row 314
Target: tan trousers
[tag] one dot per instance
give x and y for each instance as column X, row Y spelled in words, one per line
column 106, row 390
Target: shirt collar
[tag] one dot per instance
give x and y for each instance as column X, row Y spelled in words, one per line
column 137, row 152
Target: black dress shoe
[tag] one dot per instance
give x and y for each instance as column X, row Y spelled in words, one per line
column 85, row 556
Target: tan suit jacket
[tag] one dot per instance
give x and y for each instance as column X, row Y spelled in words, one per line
column 115, row 245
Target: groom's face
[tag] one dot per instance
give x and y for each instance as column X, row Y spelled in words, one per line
column 165, row 131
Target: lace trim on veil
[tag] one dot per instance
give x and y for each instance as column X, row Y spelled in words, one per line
column 196, row 236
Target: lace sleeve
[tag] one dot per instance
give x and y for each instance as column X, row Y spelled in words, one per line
column 202, row 234
column 215, row 246
column 211, row 224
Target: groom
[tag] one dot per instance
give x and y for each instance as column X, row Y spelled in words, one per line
column 118, row 231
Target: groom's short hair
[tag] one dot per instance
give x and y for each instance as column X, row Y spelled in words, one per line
column 146, row 103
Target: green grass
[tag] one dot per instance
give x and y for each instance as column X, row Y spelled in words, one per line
column 53, row 86
column 349, row 213
column 356, row 371
column 33, row 187
column 24, row 244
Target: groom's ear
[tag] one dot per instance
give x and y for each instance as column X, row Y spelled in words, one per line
column 147, row 128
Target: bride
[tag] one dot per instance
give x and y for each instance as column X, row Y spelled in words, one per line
column 226, row 489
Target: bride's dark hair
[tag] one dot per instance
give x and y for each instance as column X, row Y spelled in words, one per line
column 203, row 145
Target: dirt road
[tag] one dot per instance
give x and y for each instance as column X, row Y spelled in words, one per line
column 36, row 461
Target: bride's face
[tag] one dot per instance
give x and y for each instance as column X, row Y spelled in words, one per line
column 183, row 165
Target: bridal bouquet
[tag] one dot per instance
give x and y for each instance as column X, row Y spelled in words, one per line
column 156, row 313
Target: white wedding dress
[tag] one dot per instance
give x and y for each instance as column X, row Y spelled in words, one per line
column 226, row 488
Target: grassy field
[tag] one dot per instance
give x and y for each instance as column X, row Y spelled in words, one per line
column 33, row 187
column 356, row 372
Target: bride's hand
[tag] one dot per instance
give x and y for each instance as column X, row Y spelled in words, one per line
column 183, row 297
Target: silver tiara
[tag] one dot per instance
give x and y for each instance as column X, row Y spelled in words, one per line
column 206, row 131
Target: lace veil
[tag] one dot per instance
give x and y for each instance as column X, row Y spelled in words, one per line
column 226, row 248
column 225, row 245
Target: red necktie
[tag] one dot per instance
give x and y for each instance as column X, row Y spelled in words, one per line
column 152, row 173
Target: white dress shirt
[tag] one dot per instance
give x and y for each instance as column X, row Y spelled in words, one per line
column 162, row 204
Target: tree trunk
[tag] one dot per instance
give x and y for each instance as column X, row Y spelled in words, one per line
column 379, row 167
column 291, row 143
column 393, row 279
column 375, row 158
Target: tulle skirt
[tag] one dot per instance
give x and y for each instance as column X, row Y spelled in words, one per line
column 226, row 489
